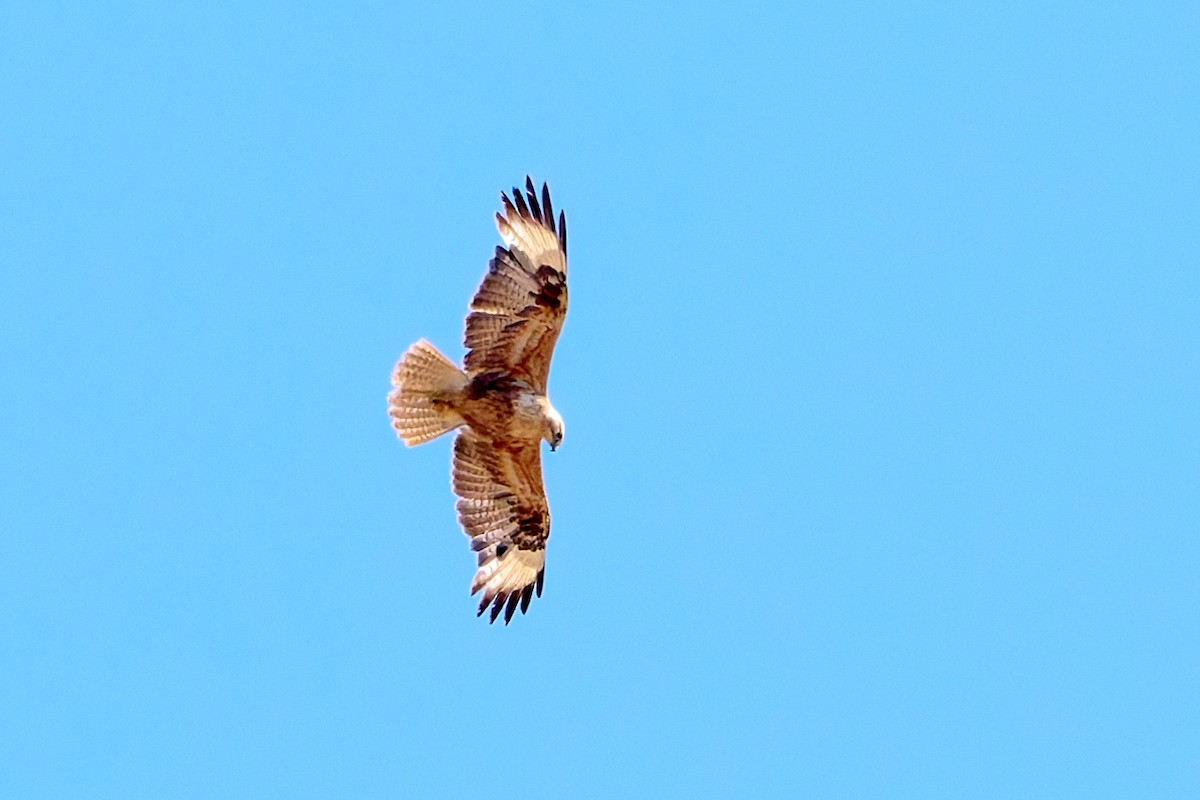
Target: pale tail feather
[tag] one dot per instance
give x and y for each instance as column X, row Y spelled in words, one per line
column 427, row 387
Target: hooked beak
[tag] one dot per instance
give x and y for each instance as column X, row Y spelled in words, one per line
column 553, row 447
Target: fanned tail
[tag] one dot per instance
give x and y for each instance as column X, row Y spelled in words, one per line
column 428, row 386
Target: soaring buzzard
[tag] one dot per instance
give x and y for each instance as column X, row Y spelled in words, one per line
column 499, row 401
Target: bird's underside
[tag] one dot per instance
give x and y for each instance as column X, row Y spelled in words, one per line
column 498, row 402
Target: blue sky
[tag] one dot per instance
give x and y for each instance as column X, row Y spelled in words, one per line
column 881, row 383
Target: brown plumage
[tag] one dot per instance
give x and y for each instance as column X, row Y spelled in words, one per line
column 499, row 401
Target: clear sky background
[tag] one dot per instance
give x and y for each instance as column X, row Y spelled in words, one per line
column 881, row 380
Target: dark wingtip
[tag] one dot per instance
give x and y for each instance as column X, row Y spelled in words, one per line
column 519, row 200
column 547, row 207
column 562, row 231
column 511, row 606
column 509, row 209
column 531, row 197
column 541, row 576
column 496, row 606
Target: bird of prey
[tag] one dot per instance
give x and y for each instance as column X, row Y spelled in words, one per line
column 498, row 401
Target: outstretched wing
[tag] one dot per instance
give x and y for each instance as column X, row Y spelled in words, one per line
column 519, row 308
column 503, row 508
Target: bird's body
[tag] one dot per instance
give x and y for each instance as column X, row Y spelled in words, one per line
column 499, row 402
column 506, row 408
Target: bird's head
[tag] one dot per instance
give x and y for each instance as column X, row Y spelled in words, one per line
column 555, row 428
